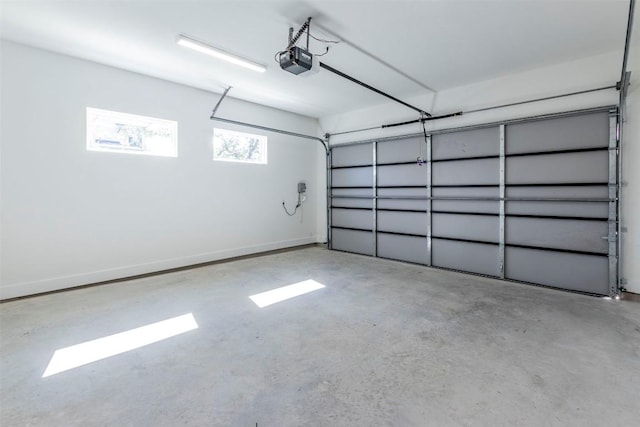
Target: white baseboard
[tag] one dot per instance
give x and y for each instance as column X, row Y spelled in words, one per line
column 16, row 290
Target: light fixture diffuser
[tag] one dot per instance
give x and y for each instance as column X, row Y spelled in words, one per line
column 219, row 53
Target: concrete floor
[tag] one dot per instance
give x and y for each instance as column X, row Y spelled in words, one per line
column 384, row 344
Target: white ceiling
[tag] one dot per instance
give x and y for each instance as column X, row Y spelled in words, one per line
column 402, row 47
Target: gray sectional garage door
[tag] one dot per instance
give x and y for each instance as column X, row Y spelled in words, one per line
column 531, row 200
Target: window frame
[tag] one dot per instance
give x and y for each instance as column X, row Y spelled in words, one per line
column 262, row 140
column 131, row 120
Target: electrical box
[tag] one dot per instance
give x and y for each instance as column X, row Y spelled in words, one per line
column 302, row 187
column 296, row 60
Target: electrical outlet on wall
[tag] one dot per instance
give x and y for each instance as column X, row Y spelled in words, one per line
column 302, row 187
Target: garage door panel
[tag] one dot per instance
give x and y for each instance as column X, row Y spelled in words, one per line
column 352, row 218
column 366, row 192
column 415, row 205
column 477, row 258
column 585, row 167
column 353, row 177
column 467, row 192
column 466, row 172
column 566, row 133
column 360, row 242
column 350, row 155
column 402, row 175
column 401, row 192
column 586, row 236
column 559, row 208
column 402, row 248
column 404, row 150
column 402, row 222
column 585, row 273
column 352, row 202
column 421, row 205
column 466, row 205
column 568, row 209
column 472, row 143
column 471, row 227
column 587, row 191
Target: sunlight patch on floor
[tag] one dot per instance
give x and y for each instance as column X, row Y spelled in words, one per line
column 101, row 348
column 286, row 292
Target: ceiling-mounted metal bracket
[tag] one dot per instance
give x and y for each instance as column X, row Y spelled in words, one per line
column 224, row 94
column 294, row 39
column 623, row 85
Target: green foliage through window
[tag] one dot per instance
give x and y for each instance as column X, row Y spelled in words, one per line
column 239, row 147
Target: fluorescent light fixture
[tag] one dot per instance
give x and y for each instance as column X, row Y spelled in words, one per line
column 284, row 293
column 101, row 348
column 219, row 53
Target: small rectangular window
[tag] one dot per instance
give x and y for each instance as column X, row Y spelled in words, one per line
column 233, row 146
column 128, row 133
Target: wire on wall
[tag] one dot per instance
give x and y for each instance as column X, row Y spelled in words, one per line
column 301, row 199
column 302, row 188
column 294, row 211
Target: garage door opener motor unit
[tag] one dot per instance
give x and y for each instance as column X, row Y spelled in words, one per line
column 296, row 60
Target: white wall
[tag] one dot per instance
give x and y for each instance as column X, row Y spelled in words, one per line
column 577, row 75
column 630, row 169
column 71, row 217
